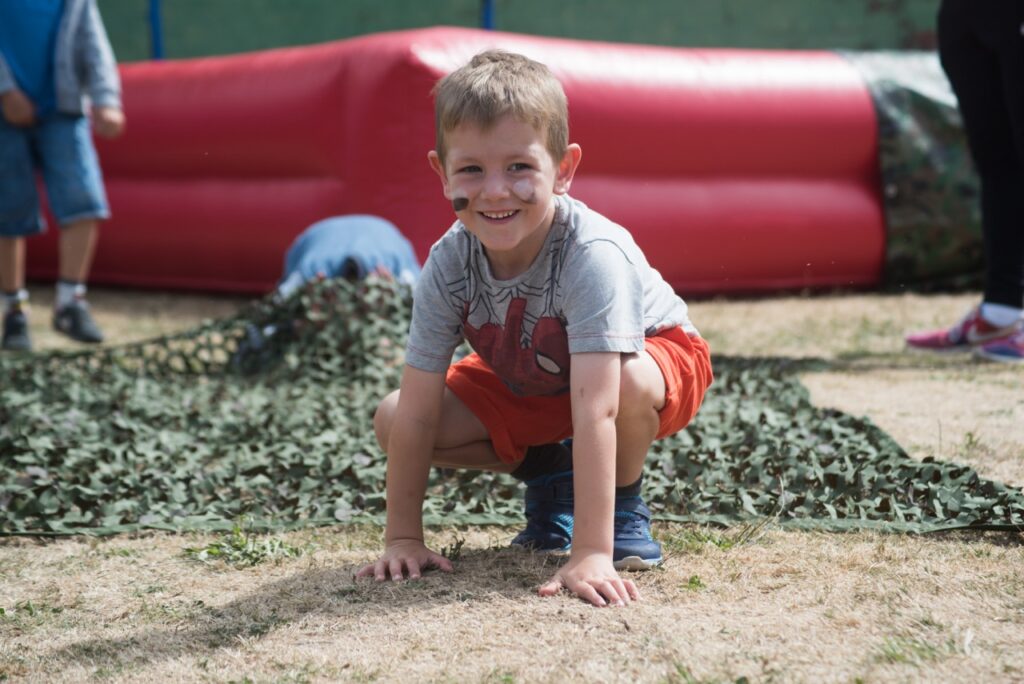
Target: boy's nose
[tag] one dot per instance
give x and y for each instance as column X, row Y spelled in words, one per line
column 495, row 187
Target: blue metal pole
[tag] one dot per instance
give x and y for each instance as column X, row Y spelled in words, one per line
column 156, row 29
column 487, row 14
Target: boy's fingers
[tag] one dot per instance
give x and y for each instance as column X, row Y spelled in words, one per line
column 442, row 563
column 396, row 570
column 624, row 596
column 588, row 592
column 551, row 588
column 610, row 592
column 414, row 568
column 374, row 569
column 634, row 593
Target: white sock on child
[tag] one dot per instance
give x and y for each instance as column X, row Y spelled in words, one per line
column 16, row 299
column 68, row 292
column 1000, row 315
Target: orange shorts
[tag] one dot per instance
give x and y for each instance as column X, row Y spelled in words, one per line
column 516, row 422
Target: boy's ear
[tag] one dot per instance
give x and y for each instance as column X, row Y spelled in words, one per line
column 438, row 166
column 567, row 168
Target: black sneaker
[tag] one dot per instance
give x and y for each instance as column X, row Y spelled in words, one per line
column 16, row 331
column 75, row 321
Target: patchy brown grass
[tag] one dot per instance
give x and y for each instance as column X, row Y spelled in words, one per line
column 765, row 604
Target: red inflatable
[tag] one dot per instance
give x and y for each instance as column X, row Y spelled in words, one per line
column 735, row 170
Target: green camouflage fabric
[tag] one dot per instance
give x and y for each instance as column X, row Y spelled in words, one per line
column 929, row 186
column 223, row 423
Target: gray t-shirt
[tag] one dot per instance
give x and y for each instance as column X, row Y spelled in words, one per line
column 590, row 289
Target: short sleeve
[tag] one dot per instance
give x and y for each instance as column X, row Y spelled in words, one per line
column 603, row 300
column 436, row 328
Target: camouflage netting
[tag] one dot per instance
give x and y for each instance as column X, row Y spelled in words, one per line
column 929, row 186
column 195, row 430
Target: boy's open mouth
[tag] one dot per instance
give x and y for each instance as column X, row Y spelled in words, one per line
column 499, row 215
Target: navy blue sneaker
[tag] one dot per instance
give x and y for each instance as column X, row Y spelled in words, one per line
column 15, row 336
column 548, row 514
column 634, row 548
column 75, row 321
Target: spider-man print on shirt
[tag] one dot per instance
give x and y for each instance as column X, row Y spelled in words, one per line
column 529, row 364
column 515, row 327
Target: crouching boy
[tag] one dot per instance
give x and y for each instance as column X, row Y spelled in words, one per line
column 574, row 335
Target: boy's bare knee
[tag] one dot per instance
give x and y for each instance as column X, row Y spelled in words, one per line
column 384, row 417
column 641, row 385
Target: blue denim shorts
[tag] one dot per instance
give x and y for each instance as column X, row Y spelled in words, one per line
column 60, row 148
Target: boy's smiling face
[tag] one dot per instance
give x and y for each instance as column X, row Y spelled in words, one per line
column 502, row 182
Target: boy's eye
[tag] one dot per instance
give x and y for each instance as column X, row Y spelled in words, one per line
column 469, row 169
column 520, row 166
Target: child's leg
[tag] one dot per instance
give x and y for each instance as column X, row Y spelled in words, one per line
column 71, row 314
column 77, row 248
column 641, row 396
column 15, row 332
column 660, row 391
column 19, row 203
column 12, row 264
column 74, row 185
column 462, row 440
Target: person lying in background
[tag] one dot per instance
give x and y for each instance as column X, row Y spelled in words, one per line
column 352, row 246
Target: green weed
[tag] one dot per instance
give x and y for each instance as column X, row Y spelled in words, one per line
column 244, row 549
column 682, row 675
column 973, row 447
column 28, row 612
column 697, row 540
column 453, row 551
column 694, row 584
column 911, row 651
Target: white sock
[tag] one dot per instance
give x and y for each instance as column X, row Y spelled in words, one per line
column 1001, row 315
column 68, row 292
column 18, row 298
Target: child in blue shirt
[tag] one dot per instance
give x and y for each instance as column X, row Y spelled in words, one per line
column 56, row 64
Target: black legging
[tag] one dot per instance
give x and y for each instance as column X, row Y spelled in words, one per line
column 981, row 45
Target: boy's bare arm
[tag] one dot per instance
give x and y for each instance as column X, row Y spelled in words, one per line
column 594, row 383
column 410, row 451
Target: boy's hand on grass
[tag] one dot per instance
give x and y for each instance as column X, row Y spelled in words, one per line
column 592, row 577
column 405, row 555
column 17, row 108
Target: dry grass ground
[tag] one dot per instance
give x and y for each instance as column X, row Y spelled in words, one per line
column 767, row 604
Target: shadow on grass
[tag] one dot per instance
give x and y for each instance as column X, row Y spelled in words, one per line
column 333, row 592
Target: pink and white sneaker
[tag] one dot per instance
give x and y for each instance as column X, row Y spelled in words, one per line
column 1008, row 350
column 971, row 332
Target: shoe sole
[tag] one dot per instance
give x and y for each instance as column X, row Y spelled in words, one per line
column 77, row 338
column 963, row 349
column 998, row 358
column 551, row 552
column 636, row 563
column 631, row 563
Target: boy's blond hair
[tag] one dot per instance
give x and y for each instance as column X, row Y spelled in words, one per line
column 497, row 83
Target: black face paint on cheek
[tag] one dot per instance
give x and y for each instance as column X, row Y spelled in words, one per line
column 460, row 203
